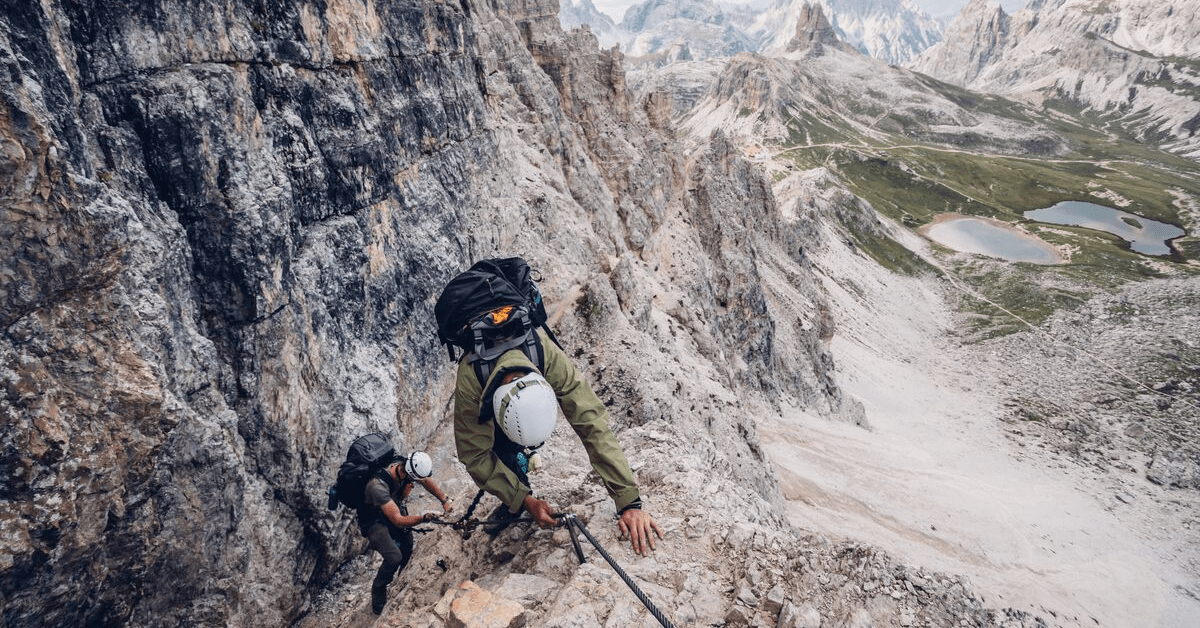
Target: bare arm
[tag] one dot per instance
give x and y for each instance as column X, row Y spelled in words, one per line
column 432, row 488
column 392, row 512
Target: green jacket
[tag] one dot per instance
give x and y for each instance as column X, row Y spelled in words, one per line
column 584, row 411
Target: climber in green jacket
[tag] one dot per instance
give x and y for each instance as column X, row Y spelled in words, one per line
column 496, row 423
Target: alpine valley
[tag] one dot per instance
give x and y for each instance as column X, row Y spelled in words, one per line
column 225, row 224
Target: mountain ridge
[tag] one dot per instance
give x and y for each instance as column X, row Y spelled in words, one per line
column 893, row 30
column 1129, row 60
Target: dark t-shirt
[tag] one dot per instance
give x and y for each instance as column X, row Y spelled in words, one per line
column 376, row 495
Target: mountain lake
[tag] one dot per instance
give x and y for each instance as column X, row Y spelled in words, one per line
column 1145, row 236
column 990, row 237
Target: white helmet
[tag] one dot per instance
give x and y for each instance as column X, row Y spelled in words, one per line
column 526, row 409
column 418, row 466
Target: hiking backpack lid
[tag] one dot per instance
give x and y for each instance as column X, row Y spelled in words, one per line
column 486, row 286
column 368, row 455
column 491, row 308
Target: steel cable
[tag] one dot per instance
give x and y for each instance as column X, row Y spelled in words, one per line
column 573, row 523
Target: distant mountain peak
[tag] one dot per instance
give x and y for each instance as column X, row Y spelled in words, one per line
column 892, row 30
column 813, row 31
column 576, row 13
column 1113, row 57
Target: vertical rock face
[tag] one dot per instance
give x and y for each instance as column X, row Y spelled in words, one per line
column 978, row 35
column 224, row 225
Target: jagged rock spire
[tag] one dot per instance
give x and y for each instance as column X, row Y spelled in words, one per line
column 813, row 31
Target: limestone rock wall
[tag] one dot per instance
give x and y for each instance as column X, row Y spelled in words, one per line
column 223, row 226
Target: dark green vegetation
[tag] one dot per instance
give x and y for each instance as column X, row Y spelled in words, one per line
column 1010, row 299
column 891, row 254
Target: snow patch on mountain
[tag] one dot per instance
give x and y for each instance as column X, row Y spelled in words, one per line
column 892, row 30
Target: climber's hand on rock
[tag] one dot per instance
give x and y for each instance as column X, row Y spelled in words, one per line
column 641, row 528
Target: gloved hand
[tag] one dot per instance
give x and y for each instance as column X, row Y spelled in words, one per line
column 429, row 516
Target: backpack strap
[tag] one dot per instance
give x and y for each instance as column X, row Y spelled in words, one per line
column 383, row 474
column 552, row 337
column 400, row 491
column 395, row 488
column 482, row 360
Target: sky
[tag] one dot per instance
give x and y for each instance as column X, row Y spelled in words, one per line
column 937, row 8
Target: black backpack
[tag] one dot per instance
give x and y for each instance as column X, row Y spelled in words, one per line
column 368, row 457
column 466, row 318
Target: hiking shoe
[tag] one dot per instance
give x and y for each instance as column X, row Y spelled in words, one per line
column 503, row 519
column 501, row 512
column 378, row 601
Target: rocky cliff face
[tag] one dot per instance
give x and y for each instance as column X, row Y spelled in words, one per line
column 224, row 227
column 976, row 36
column 1132, row 59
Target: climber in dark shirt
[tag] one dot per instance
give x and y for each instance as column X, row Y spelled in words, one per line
column 385, row 521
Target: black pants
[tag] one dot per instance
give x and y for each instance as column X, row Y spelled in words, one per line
column 395, row 545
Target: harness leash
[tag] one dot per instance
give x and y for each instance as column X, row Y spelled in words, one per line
column 466, row 524
column 471, row 524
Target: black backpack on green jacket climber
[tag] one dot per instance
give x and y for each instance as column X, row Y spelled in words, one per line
column 368, row 457
column 490, row 308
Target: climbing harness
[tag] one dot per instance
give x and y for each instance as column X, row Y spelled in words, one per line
column 575, row 525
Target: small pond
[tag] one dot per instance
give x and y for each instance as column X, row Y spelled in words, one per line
column 983, row 237
column 1145, row 236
